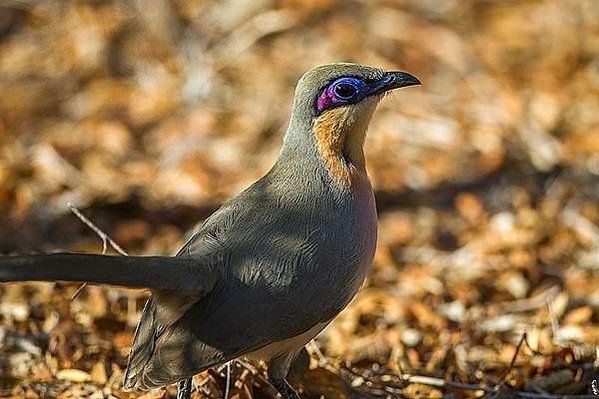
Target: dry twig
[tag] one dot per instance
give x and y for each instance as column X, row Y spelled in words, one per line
column 103, row 236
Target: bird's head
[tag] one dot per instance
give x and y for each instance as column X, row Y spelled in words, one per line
column 332, row 108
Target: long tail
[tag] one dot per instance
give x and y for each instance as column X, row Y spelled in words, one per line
column 167, row 273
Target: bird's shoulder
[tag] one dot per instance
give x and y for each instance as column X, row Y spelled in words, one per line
column 238, row 213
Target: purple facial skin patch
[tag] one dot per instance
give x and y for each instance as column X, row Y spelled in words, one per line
column 341, row 91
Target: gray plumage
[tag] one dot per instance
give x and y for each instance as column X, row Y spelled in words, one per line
column 274, row 265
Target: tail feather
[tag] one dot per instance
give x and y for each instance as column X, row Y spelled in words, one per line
column 163, row 273
column 143, row 345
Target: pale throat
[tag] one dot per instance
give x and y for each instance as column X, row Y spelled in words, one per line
column 340, row 134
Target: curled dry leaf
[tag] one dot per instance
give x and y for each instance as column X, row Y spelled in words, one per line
column 149, row 115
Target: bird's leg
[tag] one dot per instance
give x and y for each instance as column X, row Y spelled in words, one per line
column 278, row 368
column 283, row 387
column 184, row 389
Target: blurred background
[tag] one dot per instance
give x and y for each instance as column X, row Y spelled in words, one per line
column 148, row 114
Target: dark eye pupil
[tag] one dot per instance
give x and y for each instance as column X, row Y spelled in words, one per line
column 345, row 90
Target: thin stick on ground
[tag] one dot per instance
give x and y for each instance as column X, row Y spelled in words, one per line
column 226, row 366
column 513, row 362
column 441, row 383
column 322, row 360
column 554, row 322
column 103, row 236
column 228, row 384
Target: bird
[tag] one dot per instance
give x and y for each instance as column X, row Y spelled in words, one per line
column 271, row 268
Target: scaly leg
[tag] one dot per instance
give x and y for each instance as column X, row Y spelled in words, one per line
column 278, row 367
column 283, row 387
column 184, row 389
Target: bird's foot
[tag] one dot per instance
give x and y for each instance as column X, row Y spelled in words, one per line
column 184, row 389
column 283, row 387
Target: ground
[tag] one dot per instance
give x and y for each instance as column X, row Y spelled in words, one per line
column 147, row 115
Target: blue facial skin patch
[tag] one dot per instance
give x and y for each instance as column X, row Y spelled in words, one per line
column 349, row 90
column 341, row 91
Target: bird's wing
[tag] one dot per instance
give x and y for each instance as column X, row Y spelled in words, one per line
column 209, row 236
column 261, row 249
column 163, row 310
column 268, row 245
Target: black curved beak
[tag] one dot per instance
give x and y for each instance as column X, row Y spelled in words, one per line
column 393, row 80
column 398, row 79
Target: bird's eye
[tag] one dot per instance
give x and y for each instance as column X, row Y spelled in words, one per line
column 345, row 91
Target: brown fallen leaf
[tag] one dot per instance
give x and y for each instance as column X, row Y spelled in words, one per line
column 73, row 375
